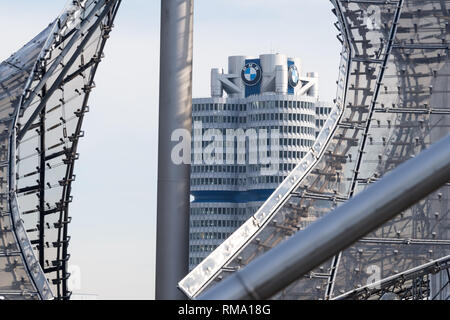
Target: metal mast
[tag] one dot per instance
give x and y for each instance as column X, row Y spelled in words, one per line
column 175, row 105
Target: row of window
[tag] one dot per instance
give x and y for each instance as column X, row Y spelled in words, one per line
column 220, row 211
column 218, row 107
column 219, row 119
column 255, row 118
column 266, row 179
column 320, row 123
column 215, row 223
column 209, row 235
column 251, row 157
column 287, row 166
column 295, row 154
column 196, row 107
column 236, row 181
column 230, row 146
column 254, row 156
column 239, row 169
column 202, row 248
column 297, row 129
column 323, row 110
column 281, row 167
column 218, row 181
column 281, row 154
column 281, row 129
column 281, row 117
column 218, row 169
column 257, row 105
column 296, row 142
column 195, row 261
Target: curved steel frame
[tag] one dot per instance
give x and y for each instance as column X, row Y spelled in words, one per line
column 80, row 32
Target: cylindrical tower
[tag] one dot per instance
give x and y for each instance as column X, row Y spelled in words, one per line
column 281, row 79
column 270, row 64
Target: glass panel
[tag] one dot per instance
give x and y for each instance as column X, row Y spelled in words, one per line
column 47, row 84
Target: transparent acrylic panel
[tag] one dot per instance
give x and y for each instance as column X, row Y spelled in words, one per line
column 15, row 280
column 411, row 113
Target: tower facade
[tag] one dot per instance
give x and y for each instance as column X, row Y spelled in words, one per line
column 246, row 143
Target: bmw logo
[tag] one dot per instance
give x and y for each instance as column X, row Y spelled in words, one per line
column 251, row 74
column 294, row 76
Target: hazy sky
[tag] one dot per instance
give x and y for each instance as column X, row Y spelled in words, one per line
column 114, row 207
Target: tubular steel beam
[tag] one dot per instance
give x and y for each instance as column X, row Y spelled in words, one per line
column 380, row 202
column 175, row 109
